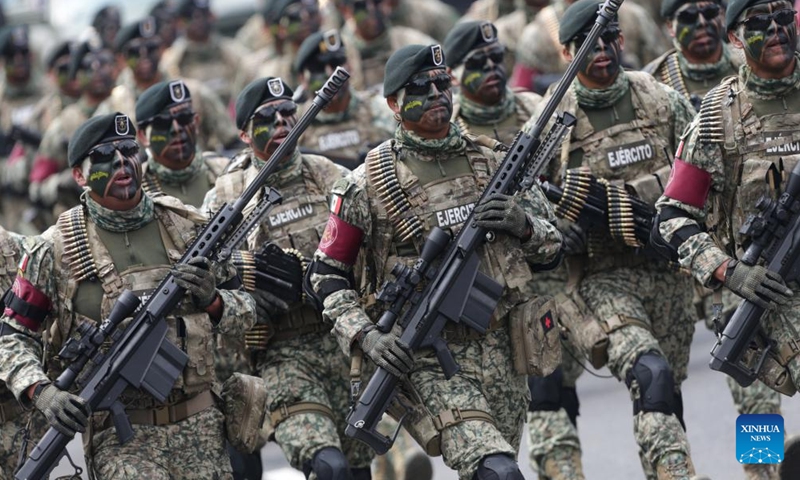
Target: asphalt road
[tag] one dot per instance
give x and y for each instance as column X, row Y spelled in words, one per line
column 606, row 427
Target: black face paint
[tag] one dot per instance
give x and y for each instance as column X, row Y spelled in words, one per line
column 115, row 170
column 370, row 19
column 485, row 74
column 317, row 70
column 97, row 74
column 265, row 124
column 420, row 100
column 142, row 57
column 603, row 62
column 170, row 144
column 770, row 35
column 699, row 37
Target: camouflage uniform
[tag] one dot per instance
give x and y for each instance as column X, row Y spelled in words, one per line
column 189, row 185
column 501, row 122
column 510, row 28
column 489, row 10
column 487, row 381
column 214, row 63
column 253, row 35
column 368, row 59
column 644, row 308
column 188, row 444
column 346, row 137
column 431, row 17
column 539, row 51
column 306, row 375
column 737, row 145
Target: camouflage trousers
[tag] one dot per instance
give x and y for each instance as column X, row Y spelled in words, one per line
column 11, row 439
column 486, row 382
column 659, row 303
column 311, row 368
column 190, row 449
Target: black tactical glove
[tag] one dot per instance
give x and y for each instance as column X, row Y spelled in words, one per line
column 574, row 237
column 501, row 212
column 387, row 352
column 756, row 284
column 198, row 279
column 268, row 306
column 66, row 412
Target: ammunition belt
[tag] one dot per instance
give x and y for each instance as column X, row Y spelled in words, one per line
column 246, row 265
column 620, row 215
column 151, row 185
column 672, row 76
column 296, row 323
column 76, row 245
column 10, row 410
column 383, row 176
column 710, row 128
column 576, row 189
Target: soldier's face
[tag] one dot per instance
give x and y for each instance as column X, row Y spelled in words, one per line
column 427, row 103
column 484, row 78
column 602, row 64
column 18, row 64
column 172, row 136
column 96, row 74
column 142, row 56
column 318, row 70
column 67, row 86
column 115, row 170
column 369, row 17
column 199, row 25
column 270, row 125
column 768, row 35
column 698, row 28
column 298, row 21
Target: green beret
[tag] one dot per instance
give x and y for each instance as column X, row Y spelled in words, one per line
column 258, row 93
column 145, row 28
column 13, row 38
column 466, row 37
column 576, row 19
column 92, row 45
column 274, row 8
column 410, row 60
column 97, row 130
column 186, row 8
column 317, row 45
column 158, row 98
column 61, row 49
column 669, row 7
column 737, row 7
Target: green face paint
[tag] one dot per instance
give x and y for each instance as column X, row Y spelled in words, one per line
column 419, row 99
column 698, row 28
column 115, row 170
column 172, row 137
column 603, row 63
column 484, row 77
column 267, row 124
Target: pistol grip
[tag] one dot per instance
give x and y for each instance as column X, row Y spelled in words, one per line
column 121, row 423
column 449, row 365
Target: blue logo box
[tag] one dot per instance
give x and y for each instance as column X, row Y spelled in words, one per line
column 759, row 438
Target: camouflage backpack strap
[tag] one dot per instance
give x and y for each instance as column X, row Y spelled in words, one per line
column 382, row 174
column 72, row 226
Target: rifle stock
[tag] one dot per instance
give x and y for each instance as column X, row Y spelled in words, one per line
column 457, row 292
column 141, row 356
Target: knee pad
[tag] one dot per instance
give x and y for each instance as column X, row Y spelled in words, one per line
column 571, row 404
column 546, row 391
column 329, row 464
column 656, row 384
column 498, row 466
column 361, row 473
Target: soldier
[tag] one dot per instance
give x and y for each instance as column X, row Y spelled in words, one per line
column 511, row 25
column 370, row 39
column 701, row 58
column 627, row 123
column 489, row 10
column 440, row 170
column 106, row 23
column 166, row 22
column 431, row 17
column 485, row 104
column 176, row 166
column 139, row 48
column 20, row 90
column 65, row 90
column 306, row 375
column 349, row 126
column 122, row 238
column 736, row 150
column 201, row 53
column 539, row 59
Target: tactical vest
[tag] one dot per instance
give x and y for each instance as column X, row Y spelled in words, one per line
column 667, row 70
column 81, row 258
column 404, row 213
column 298, row 222
column 623, row 152
column 761, row 142
column 503, row 131
column 213, row 167
column 9, row 406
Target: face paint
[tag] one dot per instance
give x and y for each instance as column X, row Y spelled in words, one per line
column 97, row 74
column 266, row 125
column 484, row 75
column 370, row 19
column 173, row 136
column 698, row 29
column 115, row 170
column 603, row 62
column 420, row 101
column 769, row 38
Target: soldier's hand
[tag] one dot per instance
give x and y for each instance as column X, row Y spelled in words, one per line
column 65, row 412
column 502, row 212
column 268, row 306
column 757, row 284
column 573, row 236
column 387, row 352
column 198, row 279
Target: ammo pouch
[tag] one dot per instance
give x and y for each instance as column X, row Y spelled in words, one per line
column 773, row 372
column 583, row 327
column 649, row 187
column 244, row 403
column 535, row 343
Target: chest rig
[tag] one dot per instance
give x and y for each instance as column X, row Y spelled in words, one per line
column 502, row 131
column 404, row 212
column 213, row 167
column 761, row 145
column 81, row 257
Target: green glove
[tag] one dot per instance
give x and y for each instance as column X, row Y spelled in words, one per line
column 387, row 352
column 65, row 412
column 268, row 306
column 198, row 279
column 756, row 284
column 501, row 212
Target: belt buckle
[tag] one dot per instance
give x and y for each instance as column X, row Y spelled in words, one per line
column 161, row 415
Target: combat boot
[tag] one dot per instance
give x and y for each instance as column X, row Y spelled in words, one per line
column 789, row 469
column 418, row 466
column 563, row 465
column 753, row 471
column 675, row 466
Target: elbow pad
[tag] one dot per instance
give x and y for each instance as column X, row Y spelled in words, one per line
column 669, row 250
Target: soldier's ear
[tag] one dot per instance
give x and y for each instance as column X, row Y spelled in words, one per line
column 670, row 27
column 452, row 76
column 141, row 137
column 243, row 136
column 734, row 40
column 77, row 175
column 566, row 52
column 621, row 41
column 392, row 102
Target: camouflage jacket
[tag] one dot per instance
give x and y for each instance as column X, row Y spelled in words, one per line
column 505, row 129
column 431, row 17
column 190, row 191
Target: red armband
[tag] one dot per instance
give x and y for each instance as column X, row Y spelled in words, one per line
column 26, row 304
column 522, row 77
column 688, row 184
column 341, row 241
column 42, row 168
